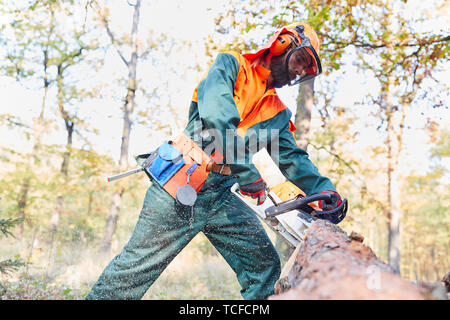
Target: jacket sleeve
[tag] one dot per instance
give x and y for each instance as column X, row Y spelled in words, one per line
column 218, row 111
column 295, row 164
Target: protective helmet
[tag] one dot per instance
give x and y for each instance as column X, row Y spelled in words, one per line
column 308, row 41
column 306, row 38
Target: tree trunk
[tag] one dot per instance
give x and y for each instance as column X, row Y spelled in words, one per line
column 111, row 222
column 329, row 264
column 394, row 132
column 395, row 143
column 38, row 131
column 54, row 220
column 128, row 109
column 394, row 240
column 90, row 202
column 22, row 203
column 33, row 164
column 69, row 124
column 305, row 101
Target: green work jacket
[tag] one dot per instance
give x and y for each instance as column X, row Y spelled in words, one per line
column 232, row 102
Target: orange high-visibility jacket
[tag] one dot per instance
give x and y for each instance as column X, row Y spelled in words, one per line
column 233, row 100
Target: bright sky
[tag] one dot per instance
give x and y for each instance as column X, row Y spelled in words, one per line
column 191, row 20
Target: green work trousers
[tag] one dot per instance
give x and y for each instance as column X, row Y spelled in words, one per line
column 164, row 229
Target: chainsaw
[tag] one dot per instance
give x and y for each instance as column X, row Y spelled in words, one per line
column 290, row 219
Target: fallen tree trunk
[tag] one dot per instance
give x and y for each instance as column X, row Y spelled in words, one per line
column 329, row 264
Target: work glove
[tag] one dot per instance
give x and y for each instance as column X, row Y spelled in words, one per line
column 335, row 211
column 335, row 201
column 257, row 190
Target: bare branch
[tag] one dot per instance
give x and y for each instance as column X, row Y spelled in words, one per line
column 362, row 44
column 12, row 121
column 114, row 41
column 338, row 157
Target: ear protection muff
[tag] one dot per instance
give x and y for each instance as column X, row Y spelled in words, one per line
column 281, row 44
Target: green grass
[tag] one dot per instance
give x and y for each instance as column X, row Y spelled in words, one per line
column 198, row 272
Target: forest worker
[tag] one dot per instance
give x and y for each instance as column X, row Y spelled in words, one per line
column 238, row 94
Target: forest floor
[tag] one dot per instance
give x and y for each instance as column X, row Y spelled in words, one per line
column 198, row 272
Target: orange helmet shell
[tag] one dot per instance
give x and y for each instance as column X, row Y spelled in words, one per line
column 280, row 41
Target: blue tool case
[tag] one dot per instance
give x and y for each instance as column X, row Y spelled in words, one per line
column 162, row 164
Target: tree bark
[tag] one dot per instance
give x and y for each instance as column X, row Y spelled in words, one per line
column 329, row 264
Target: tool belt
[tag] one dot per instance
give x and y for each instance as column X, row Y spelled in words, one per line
column 221, row 169
column 181, row 167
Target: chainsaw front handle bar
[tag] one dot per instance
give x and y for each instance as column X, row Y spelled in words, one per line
column 270, row 210
column 296, row 204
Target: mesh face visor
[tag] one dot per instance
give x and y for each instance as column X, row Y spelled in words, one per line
column 312, row 70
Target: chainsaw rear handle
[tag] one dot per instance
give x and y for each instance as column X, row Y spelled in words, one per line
column 296, row 204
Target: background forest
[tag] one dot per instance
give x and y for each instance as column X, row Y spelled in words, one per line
column 87, row 85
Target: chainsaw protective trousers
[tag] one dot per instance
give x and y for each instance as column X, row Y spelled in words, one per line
column 163, row 230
